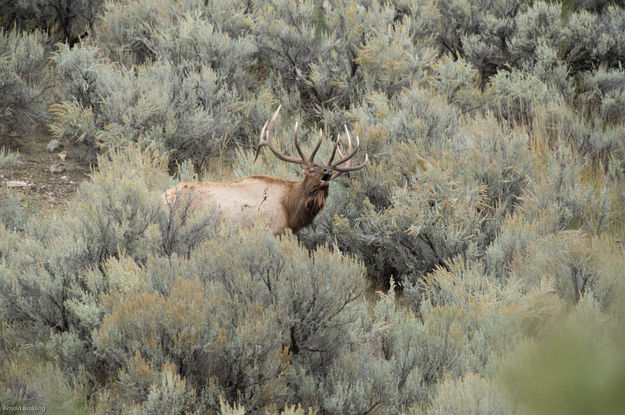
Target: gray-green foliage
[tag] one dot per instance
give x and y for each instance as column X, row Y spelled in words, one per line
column 574, row 353
column 327, row 55
column 65, row 20
column 521, row 97
column 119, row 212
column 11, row 212
column 23, row 78
column 604, row 90
column 182, row 315
column 7, row 158
column 433, row 193
column 493, row 199
column 539, row 24
column 332, row 53
column 186, row 113
column 233, row 295
column 471, row 394
column 561, row 191
column 230, row 304
column 456, row 81
column 187, row 103
column 543, row 42
column 574, row 268
column 219, row 72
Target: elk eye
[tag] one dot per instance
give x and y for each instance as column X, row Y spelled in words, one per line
column 311, row 171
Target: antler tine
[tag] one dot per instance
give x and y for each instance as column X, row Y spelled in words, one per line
column 261, row 143
column 352, row 152
column 347, row 160
column 336, row 146
column 266, row 139
column 353, row 168
column 299, row 149
column 349, row 167
column 312, row 155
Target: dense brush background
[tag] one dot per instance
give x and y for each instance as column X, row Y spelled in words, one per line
column 476, row 266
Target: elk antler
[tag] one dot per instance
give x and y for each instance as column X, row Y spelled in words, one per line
column 347, row 160
column 266, row 140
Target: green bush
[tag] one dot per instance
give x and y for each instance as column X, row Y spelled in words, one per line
column 490, row 212
column 23, row 82
column 12, row 214
column 223, row 317
column 419, row 212
column 571, row 262
column 579, row 362
column 64, row 20
column 187, row 114
column 471, row 394
column 456, row 80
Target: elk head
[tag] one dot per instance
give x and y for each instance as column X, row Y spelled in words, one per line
column 308, row 197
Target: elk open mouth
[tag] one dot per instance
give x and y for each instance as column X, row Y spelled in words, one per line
column 325, row 180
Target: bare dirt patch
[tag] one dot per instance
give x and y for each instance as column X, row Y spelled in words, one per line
column 51, row 178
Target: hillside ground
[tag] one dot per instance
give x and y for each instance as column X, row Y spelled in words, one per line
column 51, row 177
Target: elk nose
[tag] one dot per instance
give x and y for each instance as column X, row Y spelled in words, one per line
column 327, row 170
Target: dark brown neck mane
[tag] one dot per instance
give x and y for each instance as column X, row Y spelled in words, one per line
column 303, row 202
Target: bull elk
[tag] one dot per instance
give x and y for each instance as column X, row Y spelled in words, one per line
column 280, row 203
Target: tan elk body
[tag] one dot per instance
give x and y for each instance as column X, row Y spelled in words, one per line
column 279, row 203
